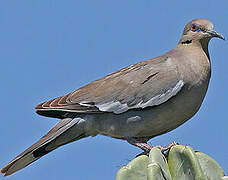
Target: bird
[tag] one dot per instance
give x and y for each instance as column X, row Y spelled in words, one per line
column 135, row 103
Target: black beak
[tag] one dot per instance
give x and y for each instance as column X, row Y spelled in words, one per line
column 213, row 33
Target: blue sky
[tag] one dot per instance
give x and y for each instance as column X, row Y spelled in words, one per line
column 49, row 48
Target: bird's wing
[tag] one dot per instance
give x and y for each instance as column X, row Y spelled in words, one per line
column 141, row 85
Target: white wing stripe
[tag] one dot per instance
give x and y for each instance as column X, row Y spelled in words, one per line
column 117, row 107
column 161, row 98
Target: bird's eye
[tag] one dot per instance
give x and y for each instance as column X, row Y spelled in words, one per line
column 194, row 28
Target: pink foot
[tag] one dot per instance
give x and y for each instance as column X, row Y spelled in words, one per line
column 146, row 147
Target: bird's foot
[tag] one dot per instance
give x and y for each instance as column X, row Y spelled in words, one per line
column 147, row 147
column 167, row 147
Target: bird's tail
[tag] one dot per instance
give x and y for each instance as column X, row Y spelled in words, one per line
column 65, row 131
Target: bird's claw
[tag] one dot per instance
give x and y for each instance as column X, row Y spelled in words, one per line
column 167, row 147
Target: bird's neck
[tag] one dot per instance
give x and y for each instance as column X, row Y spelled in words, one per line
column 197, row 57
column 202, row 44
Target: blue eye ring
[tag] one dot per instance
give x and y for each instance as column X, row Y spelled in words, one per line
column 194, row 28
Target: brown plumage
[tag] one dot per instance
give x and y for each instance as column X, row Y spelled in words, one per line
column 135, row 103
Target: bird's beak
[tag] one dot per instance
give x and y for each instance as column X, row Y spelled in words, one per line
column 213, row 33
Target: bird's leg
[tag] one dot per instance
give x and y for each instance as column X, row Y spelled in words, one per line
column 142, row 145
column 146, row 147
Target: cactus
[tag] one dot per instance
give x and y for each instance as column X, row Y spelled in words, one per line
column 179, row 163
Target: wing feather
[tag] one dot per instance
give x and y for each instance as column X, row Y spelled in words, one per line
column 145, row 84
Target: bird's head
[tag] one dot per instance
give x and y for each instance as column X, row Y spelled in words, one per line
column 199, row 30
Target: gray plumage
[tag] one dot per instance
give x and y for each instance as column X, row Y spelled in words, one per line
column 138, row 102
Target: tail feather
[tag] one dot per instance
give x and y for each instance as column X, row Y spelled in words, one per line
column 62, row 133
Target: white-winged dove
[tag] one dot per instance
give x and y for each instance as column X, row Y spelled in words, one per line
column 136, row 103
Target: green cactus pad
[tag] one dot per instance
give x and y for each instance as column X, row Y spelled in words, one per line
column 183, row 163
column 180, row 163
column 135, row 170
column 210, row 167
column 157, row 166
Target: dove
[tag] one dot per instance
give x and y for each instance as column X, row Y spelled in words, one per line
column 134, row 104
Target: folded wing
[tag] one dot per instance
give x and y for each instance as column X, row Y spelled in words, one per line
column 141, row 85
